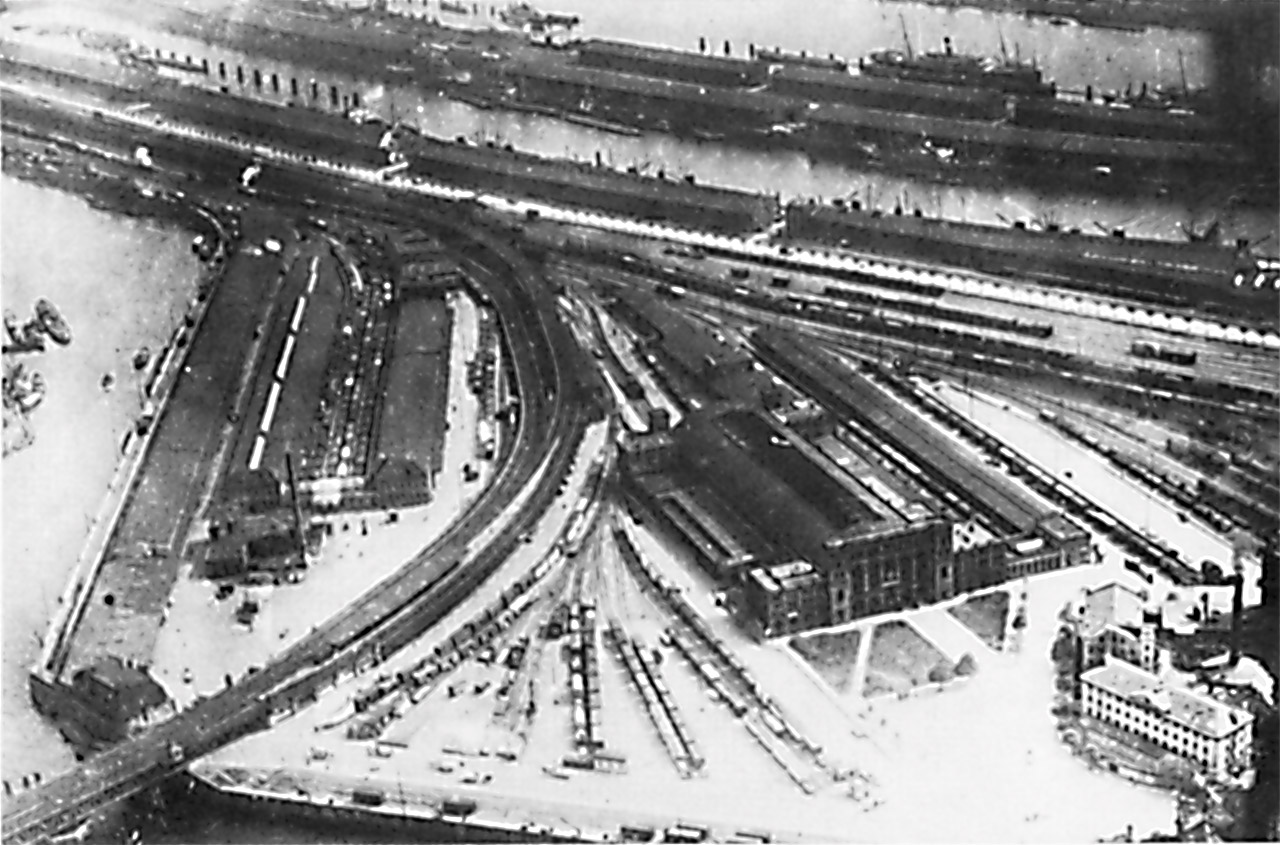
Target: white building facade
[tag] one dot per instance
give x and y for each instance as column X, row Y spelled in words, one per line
column 1215, row 736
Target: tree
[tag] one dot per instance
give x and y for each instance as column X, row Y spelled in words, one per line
column 942, row 672
column 1064, row 647
column 966, row 665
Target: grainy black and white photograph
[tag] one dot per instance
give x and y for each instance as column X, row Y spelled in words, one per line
column 794, row 421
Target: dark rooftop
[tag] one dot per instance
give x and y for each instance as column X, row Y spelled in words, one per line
column 677, row 59
column 791, row 502
column 502, row 162
column 838, row 505
column 997, row 133
column 997, row 494
column 818, row 78
column 669, row 89
column 1092, row 246
column 692, row 346
column 135, row 690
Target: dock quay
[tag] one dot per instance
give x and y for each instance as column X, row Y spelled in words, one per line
column 140, row 528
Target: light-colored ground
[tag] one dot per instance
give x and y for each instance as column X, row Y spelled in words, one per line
column 202, row 640
column 55, row 493
column 982, row 757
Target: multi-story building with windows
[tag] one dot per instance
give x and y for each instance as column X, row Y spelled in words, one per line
column 1129, row 624
column 1214, row 735
column 786, row 598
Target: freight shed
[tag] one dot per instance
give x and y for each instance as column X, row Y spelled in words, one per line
column 886, row 93
column 720, row 536
column 642, row 60
column 520, row 174
column 852, row 395
column 791, row 501
column 1180, row 268
column 323, row 135
column 258, row 23
column 112, row 76
column 367, row 53
column 659, row 103
column 778, row 56
column 839, row 124
column 1123, row 121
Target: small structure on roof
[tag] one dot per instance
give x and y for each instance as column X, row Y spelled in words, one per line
column 1215, row 736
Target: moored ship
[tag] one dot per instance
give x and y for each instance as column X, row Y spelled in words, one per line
column 959, row 69
column 28, row 337
column 23, row 389
column 55, row 325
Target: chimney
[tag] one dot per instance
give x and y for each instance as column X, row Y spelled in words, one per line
column 1147, row 652
column 297, row 509
column 1237, row 608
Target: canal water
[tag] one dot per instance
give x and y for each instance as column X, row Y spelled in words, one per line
column 122, row 284
column 1072, row 56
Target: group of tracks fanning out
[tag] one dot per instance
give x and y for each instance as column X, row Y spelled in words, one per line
column 556, row 408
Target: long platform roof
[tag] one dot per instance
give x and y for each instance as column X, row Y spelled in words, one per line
column 854, row 83
column 917, row 437
column 675, row 58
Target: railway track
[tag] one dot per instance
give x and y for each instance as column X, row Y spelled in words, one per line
column 720, row 671
column 392, row 613
column 920, row 338
column 1213, row 501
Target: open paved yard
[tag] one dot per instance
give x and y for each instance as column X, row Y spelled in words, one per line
column 982, row 757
